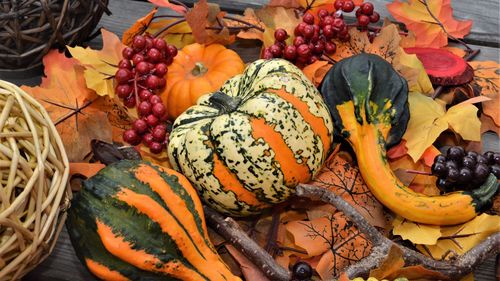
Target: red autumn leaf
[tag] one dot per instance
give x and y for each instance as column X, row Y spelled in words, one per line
column 430, row 21
column 70, row 104
column 166, row 4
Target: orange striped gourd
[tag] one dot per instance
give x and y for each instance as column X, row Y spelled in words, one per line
column 137, row 221
column 246, row 146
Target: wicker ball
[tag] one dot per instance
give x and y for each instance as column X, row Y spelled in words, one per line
column 29, row 28
column 34, row 189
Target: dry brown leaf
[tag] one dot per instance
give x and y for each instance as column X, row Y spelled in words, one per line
column 70, row 104
column 249, row 16
column 250, row 271
column 487, row 76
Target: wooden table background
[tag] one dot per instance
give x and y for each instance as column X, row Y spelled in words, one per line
column 63, row 264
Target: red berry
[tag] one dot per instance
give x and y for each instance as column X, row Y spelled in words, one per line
column 328, row 20
column 128, row 53
column 161, row 82
column 152, row 120
column 155, row 147
column 280, row 34
column 303, row 50
column 276, row 51
column 359, row 12
column 149, row 42
column 348, row 6
column 152, row 82
column 290, row 52
column 147, row 139
column 161, row 69
column 282, row 45
column 343, row 32
column 124, row 63
column 346, row 37
column 328, row 32
column 159, row 134
column 312, row 59
column 338, row 23
column 144, row 108
column 130, row 136
column 139, row 42
column 122, row 75
column 322, row 13
column 144, row 94
column 123, row 90
column 154, row 55
column 169, row 60
column 129, row 101
column 330, row 47
column 159, row 44
column 308, row 18
column 140, row 126
column 154, row 99
column 375, row 17
column 363, row 20
column 319, row 47
column 266, row 54
column 172, row 50
column 299, row 29
column 367, row 8
column 159, row 109
column 308, row 31
column 339, row 4
column 142, row 67
column 137, row 58
column 299, row 40
column 161, row 125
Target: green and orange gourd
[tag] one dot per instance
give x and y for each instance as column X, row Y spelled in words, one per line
column 137, row 221
column 368, row 101
column 246, row 146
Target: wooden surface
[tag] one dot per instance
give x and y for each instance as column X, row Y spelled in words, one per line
column 63, row 263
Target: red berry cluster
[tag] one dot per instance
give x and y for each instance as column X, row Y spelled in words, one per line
column 140, row 75
column 366, row 14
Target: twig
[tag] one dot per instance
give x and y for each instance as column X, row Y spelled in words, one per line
column 231, row 231
column 461, row 266
column 418, row 172
column 169, row 26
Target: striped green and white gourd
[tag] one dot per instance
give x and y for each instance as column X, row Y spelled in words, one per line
column 137, row 221
column 248, row 145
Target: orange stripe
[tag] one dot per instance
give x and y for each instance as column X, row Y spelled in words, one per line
column 174, row 202
column 103, row 272
column 118, row 247
column 293, row 172
column 317, row 123
column 229, row 182
column 210, row 266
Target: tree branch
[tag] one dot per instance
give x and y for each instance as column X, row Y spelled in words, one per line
column 459, row 267
column 231, row 231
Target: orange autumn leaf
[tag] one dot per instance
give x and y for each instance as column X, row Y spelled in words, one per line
column 178, row 35
column 284, row 3
column 430, row 21
column 69, row 103
column 248, row 16
column 392, row 263
column 487, row 77
column 316, row 71
column 488, row 125
column 166, row 4
column 277, row 17
column 138, row 27
column 100, row 65
column 340, row 177
column 386, row 45
column 250, row 271
column 85, row 169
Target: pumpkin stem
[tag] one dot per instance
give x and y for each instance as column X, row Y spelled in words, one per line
column 199, row 69
column 224, row 103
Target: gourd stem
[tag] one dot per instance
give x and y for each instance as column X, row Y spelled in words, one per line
column 224, row 103
column 199, row 69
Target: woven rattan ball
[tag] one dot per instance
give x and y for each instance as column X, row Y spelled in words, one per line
column 29, row 28
column 34, row 190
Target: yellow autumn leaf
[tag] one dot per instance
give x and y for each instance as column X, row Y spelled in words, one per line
column 429, row 119
column 178, row 35
column 461, row 238
column 100, row 65
column 415, row 232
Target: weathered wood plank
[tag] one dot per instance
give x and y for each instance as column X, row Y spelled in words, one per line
column 485, row 30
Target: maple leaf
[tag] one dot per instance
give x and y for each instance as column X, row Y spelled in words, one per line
column 415, row 232
column 284, row 3
column 248, row 16
column 487, row 77
column 487, row 124
column 431, row 21
column 345, row 180
column 100, row 65
column 138, row 27
column 166, row 4
column 179, row 34
column 206, row 22
column 386, row 45
column 69, row 103
column 429, row 119
column 277, row 17
column 458, row 239
column 316, row 71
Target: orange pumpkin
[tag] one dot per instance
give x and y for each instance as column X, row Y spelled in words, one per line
column 197, row 70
